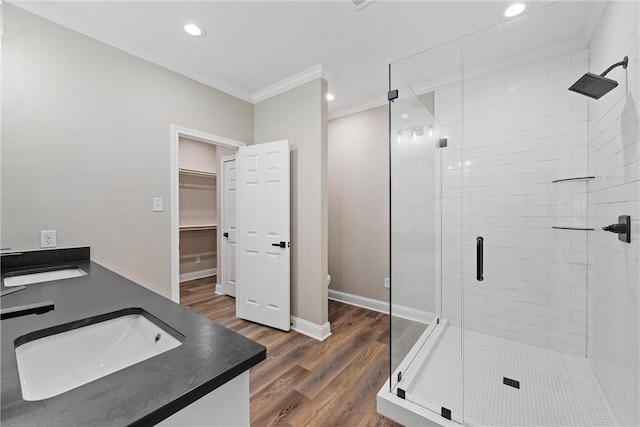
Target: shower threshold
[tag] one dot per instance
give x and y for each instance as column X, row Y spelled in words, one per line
column 554, row 388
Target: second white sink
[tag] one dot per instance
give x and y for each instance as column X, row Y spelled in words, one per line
column 43, row 276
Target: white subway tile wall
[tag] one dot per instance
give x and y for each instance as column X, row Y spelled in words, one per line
column 614, row 267
column 413, row 214
column 522, row 130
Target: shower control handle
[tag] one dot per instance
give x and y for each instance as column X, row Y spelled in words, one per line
column 615, row 228
column 479, row 258
column 622, row 228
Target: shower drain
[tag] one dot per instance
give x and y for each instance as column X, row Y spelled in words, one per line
column 510, row 382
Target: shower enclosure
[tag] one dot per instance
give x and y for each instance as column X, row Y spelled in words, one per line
column 510, row 304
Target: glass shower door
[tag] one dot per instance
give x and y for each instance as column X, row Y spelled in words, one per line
column 425, row 118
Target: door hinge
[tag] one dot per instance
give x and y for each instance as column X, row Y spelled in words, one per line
column 392, row 94
column 401, row 393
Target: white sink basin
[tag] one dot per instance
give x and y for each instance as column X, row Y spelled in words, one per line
column 57, row 363
column 43, row 276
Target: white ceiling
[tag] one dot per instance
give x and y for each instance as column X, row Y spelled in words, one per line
column 251, row 45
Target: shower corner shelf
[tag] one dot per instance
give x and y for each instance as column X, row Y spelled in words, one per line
column 580, row 178
column 573, row 228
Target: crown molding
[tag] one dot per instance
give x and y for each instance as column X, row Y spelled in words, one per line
column 357, row 108
column 212, row 83
column 363, row 106
column 569, row 46
column 296, row 80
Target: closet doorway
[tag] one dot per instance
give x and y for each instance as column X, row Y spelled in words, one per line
column 197, row 210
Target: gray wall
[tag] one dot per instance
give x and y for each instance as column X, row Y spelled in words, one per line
column 359, row 203
column 300, row 116
column 614, row 267
column 85, row 144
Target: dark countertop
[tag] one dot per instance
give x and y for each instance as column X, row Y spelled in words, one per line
column 142, row 394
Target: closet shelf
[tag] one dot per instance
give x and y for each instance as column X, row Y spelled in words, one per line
column 580, row 178
column 573, row 228
column 197, row 173
column 203, row 227
column 200, row 254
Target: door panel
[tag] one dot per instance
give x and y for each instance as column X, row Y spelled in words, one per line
column 263, row 293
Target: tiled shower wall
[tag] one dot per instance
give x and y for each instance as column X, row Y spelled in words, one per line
column 614, row 266
column 522, row 130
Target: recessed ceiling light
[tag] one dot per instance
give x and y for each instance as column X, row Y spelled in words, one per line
column 330, row 97
column 194, row 30
column 514, row 9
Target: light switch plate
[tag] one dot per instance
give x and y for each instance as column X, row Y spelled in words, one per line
column 157, row 204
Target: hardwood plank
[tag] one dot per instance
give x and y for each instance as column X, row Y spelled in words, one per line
column 279, row 359
column 334, row 363
column 274, row 402
column 282, row 407
column 338, row 340
column 304, row 382
column 370, row 377
column 323, row 406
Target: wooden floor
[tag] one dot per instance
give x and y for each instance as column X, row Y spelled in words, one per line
column 304, row 382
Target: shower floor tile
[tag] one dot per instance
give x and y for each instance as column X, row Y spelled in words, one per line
column 555, row 388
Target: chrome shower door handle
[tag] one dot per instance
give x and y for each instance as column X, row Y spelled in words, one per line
column 479, row 258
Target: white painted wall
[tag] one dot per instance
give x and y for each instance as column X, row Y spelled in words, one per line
column 522, row 129
column 86, row 141
column 359, row 203
column 300, row 116
column 614, row 266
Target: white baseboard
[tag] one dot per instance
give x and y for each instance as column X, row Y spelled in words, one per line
column 219, row 289
column 310, row 329
column 382, row 307
column 198, row 274
column 409, row 313
column 358, row 301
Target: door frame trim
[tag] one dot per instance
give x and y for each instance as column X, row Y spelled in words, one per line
column 177, row 132
column 222, row 226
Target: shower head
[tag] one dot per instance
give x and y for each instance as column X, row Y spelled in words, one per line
column 595, row 86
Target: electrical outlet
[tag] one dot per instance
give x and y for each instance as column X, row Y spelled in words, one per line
column 387, row 283
column 47, row 238
column 197, row 260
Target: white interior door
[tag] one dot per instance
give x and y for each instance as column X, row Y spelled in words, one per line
column 229, row 230
column 263, row 234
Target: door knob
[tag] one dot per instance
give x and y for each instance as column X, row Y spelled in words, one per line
column 281, row 244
